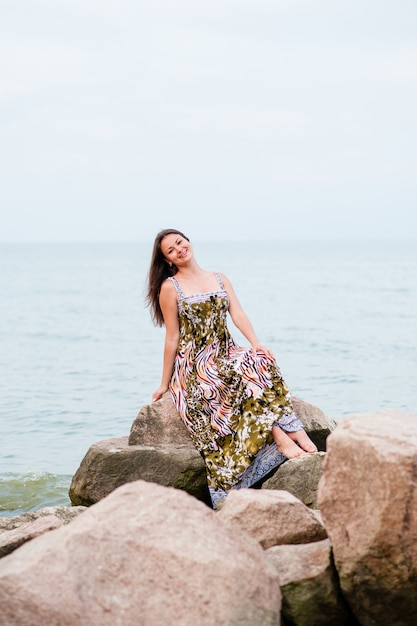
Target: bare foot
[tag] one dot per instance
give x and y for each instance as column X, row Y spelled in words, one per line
column 303, row 440
column 286, row 445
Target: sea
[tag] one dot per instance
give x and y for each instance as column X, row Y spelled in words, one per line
column 80, row 356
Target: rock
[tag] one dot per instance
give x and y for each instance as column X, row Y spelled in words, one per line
column 309, row 585
column 14, row 531
column 145, row 554
column 160, row 424
column 368, row 499
column 64, row 513
column 299, row 476
column 111, row 463
column 271, row 517
column 12, row 539
column 317, row 424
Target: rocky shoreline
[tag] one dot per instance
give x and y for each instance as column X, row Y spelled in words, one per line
column 327, row 539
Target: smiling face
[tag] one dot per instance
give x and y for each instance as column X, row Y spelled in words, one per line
column 176, row 249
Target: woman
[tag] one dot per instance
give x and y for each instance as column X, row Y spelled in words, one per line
column 233, row 400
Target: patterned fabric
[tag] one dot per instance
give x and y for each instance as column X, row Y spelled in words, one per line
column 228, row 397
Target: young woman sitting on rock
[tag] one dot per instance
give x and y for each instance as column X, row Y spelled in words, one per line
column 233, row 400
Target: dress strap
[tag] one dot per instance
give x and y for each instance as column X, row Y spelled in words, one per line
column 177, row 286
column 219, row 280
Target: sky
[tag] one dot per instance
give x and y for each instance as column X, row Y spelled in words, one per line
column 228, row 119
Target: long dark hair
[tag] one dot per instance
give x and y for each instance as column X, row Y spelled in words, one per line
column 158, row 272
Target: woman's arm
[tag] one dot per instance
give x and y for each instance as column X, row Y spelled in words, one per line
column 169, row 308
column 241, row 320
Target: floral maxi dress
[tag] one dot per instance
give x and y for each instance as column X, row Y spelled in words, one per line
column 228, row 397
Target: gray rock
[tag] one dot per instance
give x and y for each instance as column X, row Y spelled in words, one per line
column 160, row 424
column 309, row 585
column 272, row 517
column 146, row 555
column 317, row 424
column 368, row 499
column 111, row 463
column 300, row 477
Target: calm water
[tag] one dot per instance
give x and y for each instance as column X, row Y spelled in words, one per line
column 80, row 355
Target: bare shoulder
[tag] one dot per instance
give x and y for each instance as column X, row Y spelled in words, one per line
column 168, row 289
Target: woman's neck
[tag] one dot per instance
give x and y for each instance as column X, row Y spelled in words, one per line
column 193, row 270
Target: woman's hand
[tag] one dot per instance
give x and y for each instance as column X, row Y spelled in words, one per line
column 258, row 348
column 159, row 392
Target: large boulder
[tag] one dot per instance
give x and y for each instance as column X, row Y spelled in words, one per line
column 272, row 517
column 299, row 476
column 309, row 585
column 368, row 499
column 145, row 554
column 111, row 463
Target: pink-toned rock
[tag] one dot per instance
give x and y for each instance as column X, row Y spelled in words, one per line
column 272, row 517
column 309, row 585
column 368, row 499
column 145, row 554
column 12, row 539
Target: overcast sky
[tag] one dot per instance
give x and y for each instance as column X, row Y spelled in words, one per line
column 229, row 119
